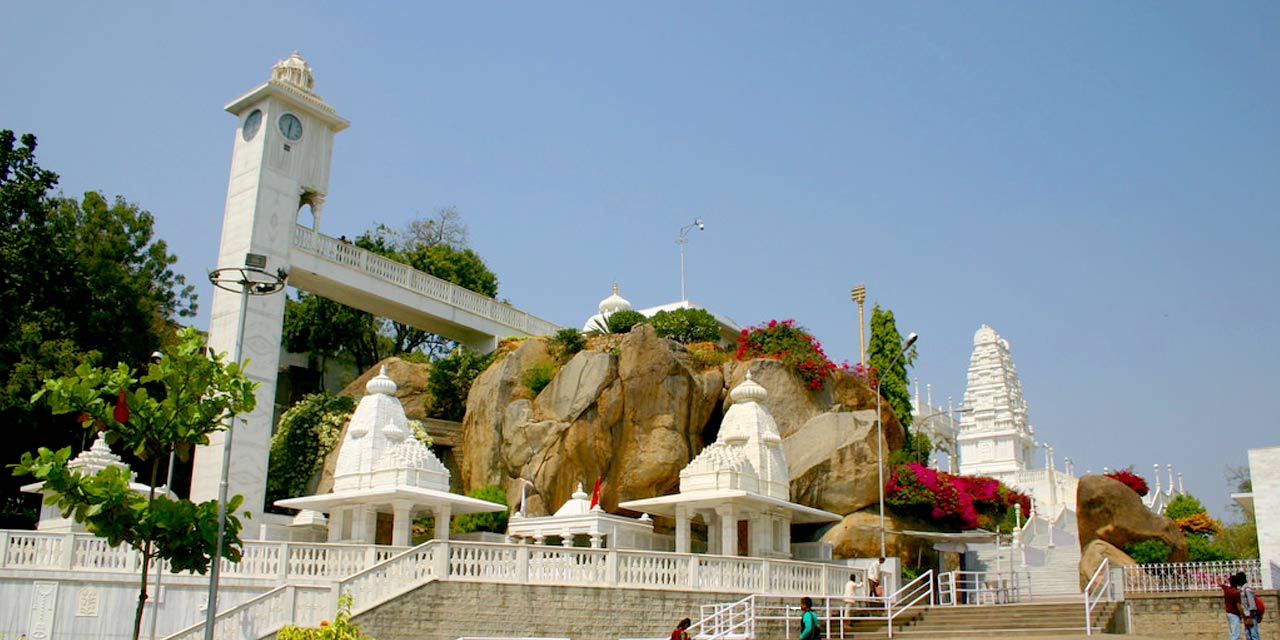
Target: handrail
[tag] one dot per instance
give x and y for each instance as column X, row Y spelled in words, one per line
column 724, row 619
column 953, row 586
column 1101, row 583
column 912, row 593
column 264, row 614
column 405, row 276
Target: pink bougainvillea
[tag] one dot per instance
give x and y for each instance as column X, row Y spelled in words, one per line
column 964, row 502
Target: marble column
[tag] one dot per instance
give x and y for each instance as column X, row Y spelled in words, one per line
column 443, row 513
column 402, row 525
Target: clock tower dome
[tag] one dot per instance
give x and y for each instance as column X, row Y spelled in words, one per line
column 280, row 158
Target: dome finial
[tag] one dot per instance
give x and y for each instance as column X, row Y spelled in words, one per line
column 381, row 383
column 614, row 303
column 748, row 391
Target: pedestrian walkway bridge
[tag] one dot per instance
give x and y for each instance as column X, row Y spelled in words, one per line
column 341, row 271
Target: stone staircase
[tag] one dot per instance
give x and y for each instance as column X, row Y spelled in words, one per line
column 1051, row 572
column 1004, row 620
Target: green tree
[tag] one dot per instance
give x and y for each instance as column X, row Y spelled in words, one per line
column 1240, row 538
column 883, row 349
column 686, row 325
column 1182, row 506
column 450, row 381
column 495, row 521
column 181, row 399
column 81, row 282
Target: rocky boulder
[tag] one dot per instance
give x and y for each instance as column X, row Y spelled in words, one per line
column 1108, row 510
column 1092, row 555
column 858, row 536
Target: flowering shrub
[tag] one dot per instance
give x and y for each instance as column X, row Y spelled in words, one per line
column 1199, row 523
column 789, row 343
column 963, row 502
column 342, row 627
column 1131, row 480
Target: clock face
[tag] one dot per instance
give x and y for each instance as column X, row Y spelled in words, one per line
column 290, row 126
column 251, row 125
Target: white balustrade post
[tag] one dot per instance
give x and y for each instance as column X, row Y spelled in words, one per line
column 283, row 572
column 441, row 559
column 67, row 558
column 370, row 556
column 611, row 567
column 522, row 564
column 766, row 568
column 693, row 571
column 4, row 548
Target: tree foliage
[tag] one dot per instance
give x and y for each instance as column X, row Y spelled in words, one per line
column 885, row 344
column 305, row 434
column 686, row 325
column 494, row 521
column 450, row 381
column 81, row 282
column 181, row 399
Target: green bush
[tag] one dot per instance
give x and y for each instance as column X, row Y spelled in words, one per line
column 1202, row 549
column 538, row 377
column 686, row 325
column 307, row 432
column 1148, row 551
column 450, row 382
column 341, row 629
column 565, row 343
column 622, row 321
column 707, row 354
column 1182, row 506
column 495, row 522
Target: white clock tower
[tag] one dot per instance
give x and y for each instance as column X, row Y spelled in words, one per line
column 283, row 146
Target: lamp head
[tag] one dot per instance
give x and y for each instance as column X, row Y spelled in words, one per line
column 701, row 227
column 911, row 339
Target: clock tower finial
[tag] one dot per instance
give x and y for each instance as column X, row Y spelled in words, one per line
column 295, row 71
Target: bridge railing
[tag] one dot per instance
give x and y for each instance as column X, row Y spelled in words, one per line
column 403, row 275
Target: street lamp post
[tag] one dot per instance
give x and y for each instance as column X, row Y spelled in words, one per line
column 682, row 240
column 858, row 295
column 252, row 279
column 911, row 339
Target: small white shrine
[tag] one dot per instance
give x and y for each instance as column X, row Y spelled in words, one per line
column 384, row 470
column 597, row 323
column 739, row 485
column 578, row 517
column 96, row 458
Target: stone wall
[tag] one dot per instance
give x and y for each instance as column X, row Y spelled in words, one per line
column 1198, row 616
column 453, row 609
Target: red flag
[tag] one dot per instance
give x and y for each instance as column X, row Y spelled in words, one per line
column 121, row 413
column 595, row 495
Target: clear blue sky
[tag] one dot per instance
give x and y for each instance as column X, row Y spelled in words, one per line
column 1096, row 180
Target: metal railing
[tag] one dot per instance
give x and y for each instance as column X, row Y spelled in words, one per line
column 1181, row 577
column 1098, row 589
column 980, row 587
column 372, row 264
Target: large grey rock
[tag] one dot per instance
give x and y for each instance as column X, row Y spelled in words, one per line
column 1107, row 509
column 832, row 461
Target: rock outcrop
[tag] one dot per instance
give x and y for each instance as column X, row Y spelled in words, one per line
column 858, row 536
column 637, row 410
column 1108, row 510
column 1092, row 555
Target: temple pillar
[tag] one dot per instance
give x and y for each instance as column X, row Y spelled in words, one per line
column 402, row 523
column 728, row 529
column 337, row 518
column 443, row 513
column 682, row 529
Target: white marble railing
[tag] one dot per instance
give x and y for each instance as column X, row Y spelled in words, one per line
column 576, row 566
column 1179, row 577
column 280, row 561
column 266, row 614
column 372, row 264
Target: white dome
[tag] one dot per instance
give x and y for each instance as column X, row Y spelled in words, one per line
column 614, row 303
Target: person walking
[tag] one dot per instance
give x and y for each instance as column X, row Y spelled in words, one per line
column 1249, row 613
column 1231, row 603
column 873, row 577
column 681, row 632
column 852, row 589
column 808, row 620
